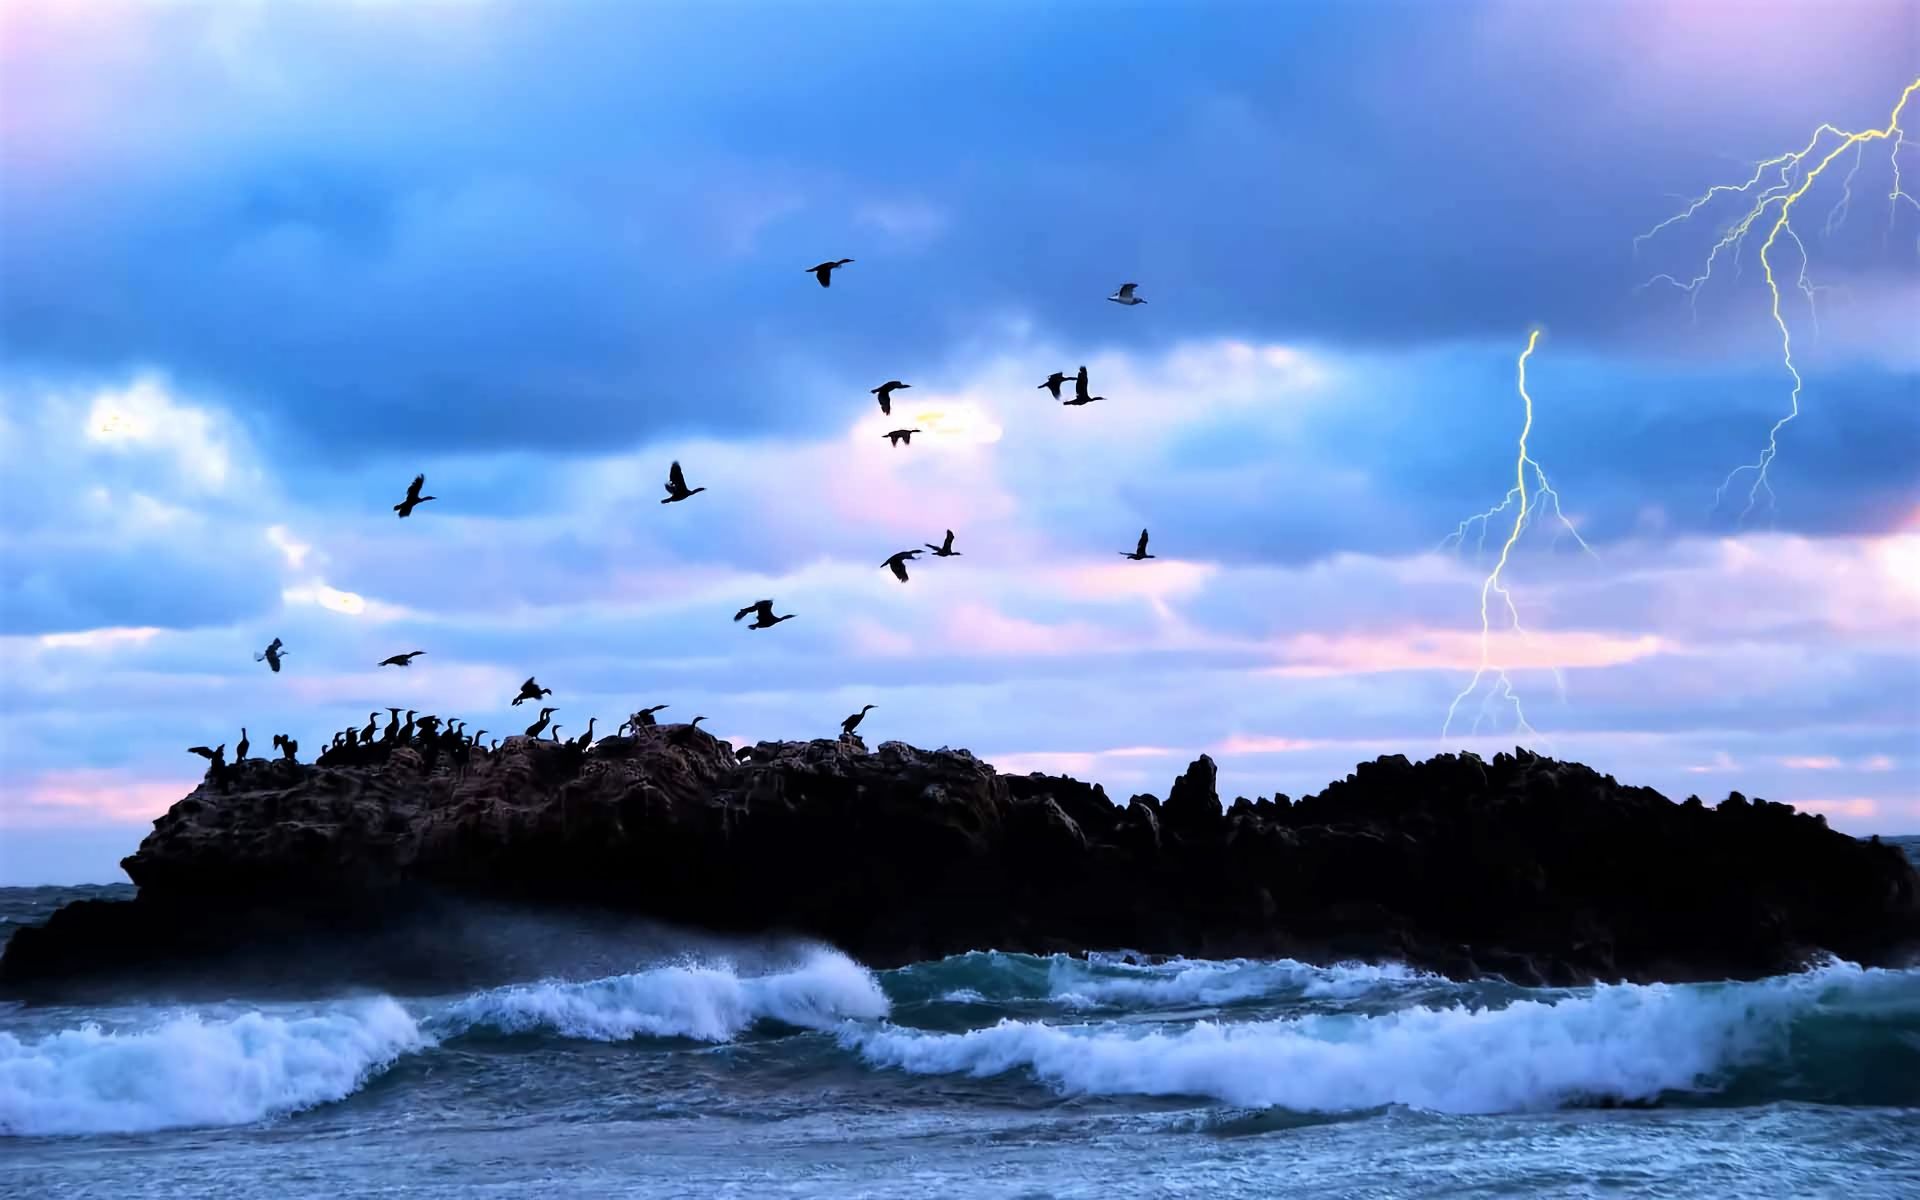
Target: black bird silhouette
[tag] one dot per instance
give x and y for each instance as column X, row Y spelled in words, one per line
column 406, row 507
column 216, row 758
column 645, row 716
column 553, row 735
column 1080, row 395
column 393, row 726
column 824, row 271
column 1140, row 551
column 586, row 739
column 765, row 619
column 531, row 691
column 367, row 730
column 898, row 563
column 897, row 436
column 853, row 722
column 289, row 749
column 271, row 655
column 944, row 549
column 402, row 660
column 534, row 730
column 684, row 734
column 677, row 488
column 1054, row 381
column 240, row 748
column 885, row 391
column 406, row 731
column 1125, row 295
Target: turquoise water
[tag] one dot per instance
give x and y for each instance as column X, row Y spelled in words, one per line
column 793, row 1070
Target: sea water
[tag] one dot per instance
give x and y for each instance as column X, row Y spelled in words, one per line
column 804, row 1073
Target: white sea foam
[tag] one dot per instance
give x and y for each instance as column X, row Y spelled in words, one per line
column 192, row 1070
column 1184, row 981
column 710, row 1002
column 1624, row 1042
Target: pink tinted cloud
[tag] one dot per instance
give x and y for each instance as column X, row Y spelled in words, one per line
column 89, row 796
column 1422, row 649
column 982, row 629
column 1241, row 743
column 1815, row 762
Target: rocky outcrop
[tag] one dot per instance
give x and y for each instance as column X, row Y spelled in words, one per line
column 1540, row 870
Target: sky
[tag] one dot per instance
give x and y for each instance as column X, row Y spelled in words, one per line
column 262, row 263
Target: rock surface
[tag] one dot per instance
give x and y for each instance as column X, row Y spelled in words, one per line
column 1542, row 871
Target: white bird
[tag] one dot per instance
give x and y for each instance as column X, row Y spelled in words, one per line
column 1125, row 295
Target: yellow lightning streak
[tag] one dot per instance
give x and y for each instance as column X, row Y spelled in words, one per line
column 1543, row 495
column 1787, row 191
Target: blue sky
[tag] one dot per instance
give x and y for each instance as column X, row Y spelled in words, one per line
column 264, row 262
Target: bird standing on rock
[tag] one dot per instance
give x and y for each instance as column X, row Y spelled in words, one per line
column 885, row 391
column 853, row 722
column 414, row 498
column 402, row 660
column 896, row 436
column 677, row 488
column 534, row 730
column 824, row 271
column 898, row 563
column 531, row 691
column 216, row 758
column 240, row 750
column 765, row 619
column 684, row 733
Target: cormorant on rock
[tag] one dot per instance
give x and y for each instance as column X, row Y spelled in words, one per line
column 645, row 716
column 677, row 488
column 271, row 655
column 853, row 722
column 683, row 734
column 553, row 735
column 216, row 758
column 474, row 741
column 824, row 271
column 393, row 726
column 402, row 660
column 531, row 691
column 1125, row 295
column 1054, row 381
column 1139, row 551
column 944, row 549
column 885, row 391
column 406, row 731
column 353, row 737
column 240, row 749
column 406, row 507
column 765, row 619
column 896, row 436
column 534, row 730
column 367, row 730
column 586, row 739
column 289, row 749
column 898, row 563
column 1080, row 395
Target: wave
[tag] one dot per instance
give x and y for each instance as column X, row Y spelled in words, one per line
column 1608, row 1044
column 706, row 1002
column 193, row 1071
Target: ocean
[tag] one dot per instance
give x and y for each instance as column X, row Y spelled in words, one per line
column 795, row 1071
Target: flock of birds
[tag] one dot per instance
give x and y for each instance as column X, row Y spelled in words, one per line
column 434, row 737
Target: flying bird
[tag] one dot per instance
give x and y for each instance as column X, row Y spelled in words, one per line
column 853, row 722
column 1054, row 381
column 944, row 549
column 413, row 497
column 531, row 691
column 1140, row 551
column 677, row 488
column 898, row 563
column 885, row 391
column 534, row 730
column 402, row 660
column 765, row 619
column 271, row 655
column 896, row 436
column 1125, row 295
column 824, row 271
column 1080, row 395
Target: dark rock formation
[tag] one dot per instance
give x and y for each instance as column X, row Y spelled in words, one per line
column 1538, row 870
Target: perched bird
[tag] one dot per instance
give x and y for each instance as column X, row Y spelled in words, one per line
column 1080, row 390
column 216, row 757
column 896, row 436
column 477, row 735
column 677, row 488
column 531, row 691
column 393, row 726
column 1140, row 551
column 553, row 735
column 289, row 749
column 271, row 655
column 645, row 716
column 406, row 730
column 585, row 739
column 853, row 722
column 1125, row 295
column 898, row 563
column 406, row 507
column 885, row 391
column 240, row 749
column 534, row 730
column 367, row 731
column 1054, row 381
column 684, row 733
column 944, row 549
column 765, row 619
column 824, row 271
column 402, row 660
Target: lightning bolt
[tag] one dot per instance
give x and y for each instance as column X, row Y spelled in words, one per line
column 1526, row 500
column 1779, row 184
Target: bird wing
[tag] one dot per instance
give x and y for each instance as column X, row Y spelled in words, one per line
column 413, row 489
column 274, row 662
column 1080, row 384
column 949, row 542
column 898, row 565
column 1142, row 547
column 675, row 478
column 1126, row 290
